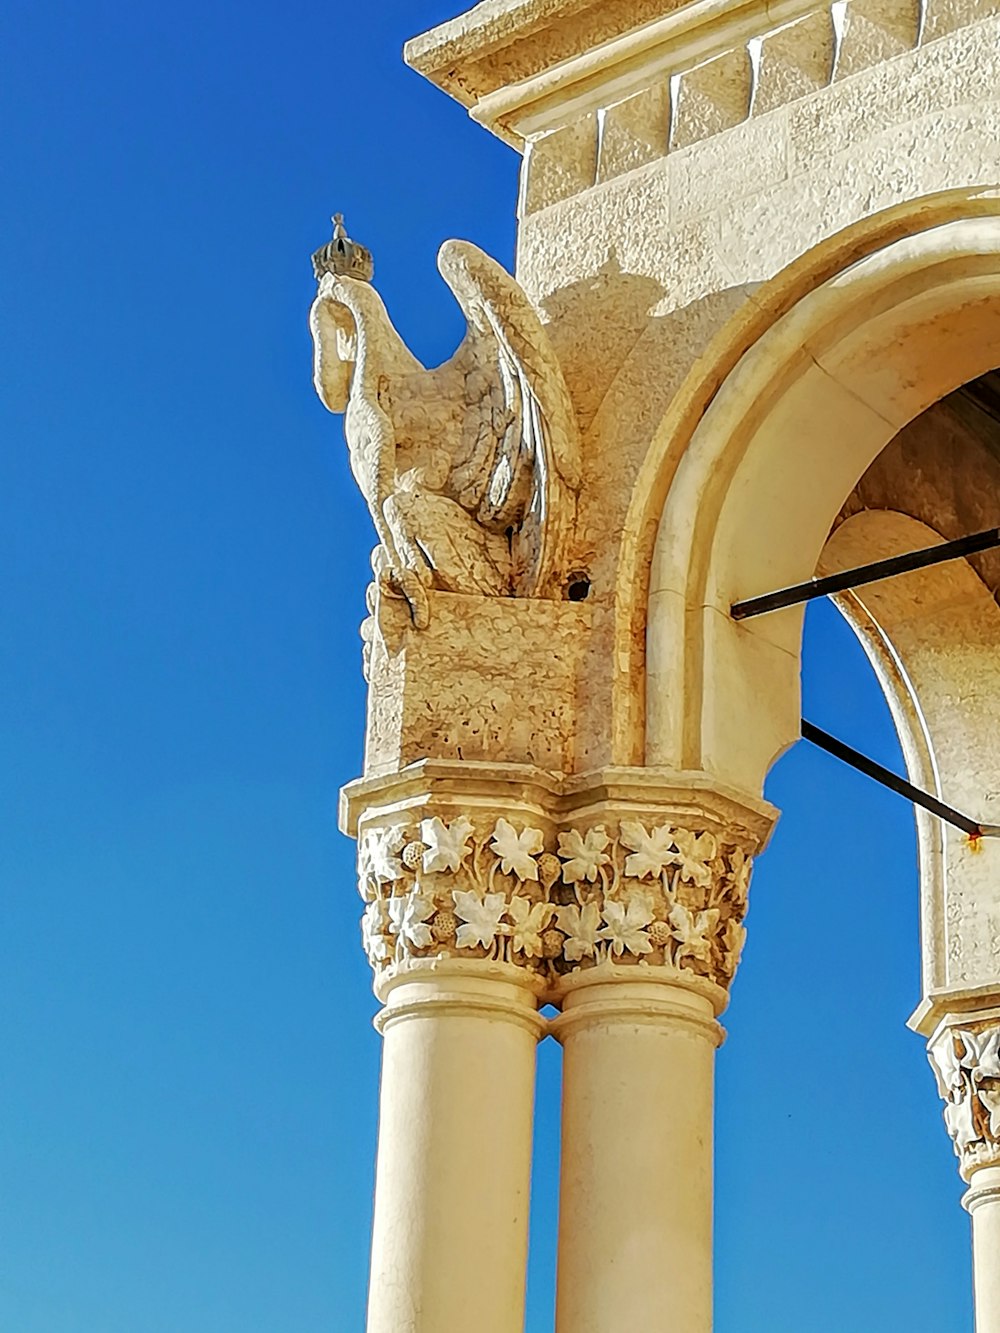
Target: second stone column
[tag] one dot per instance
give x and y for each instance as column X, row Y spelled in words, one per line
column 655, row 878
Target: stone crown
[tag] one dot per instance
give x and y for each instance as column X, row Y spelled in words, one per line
column 342, row 256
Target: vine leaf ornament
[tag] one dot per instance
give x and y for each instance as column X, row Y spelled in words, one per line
column 470, row 470
column 966, row 1064
column 982, row 1053
column 585, row 854
column 517, row 851
column 693, row 931
column 734, row 937
column 460, row 885
column 960, row 1121
column 651, row 852
column 447, row 845
column 582, row 926
column 528, row 919
column 481, row 915
column 374, row 924
column 694, row 852
column 378, row 861
column 409, row 915
column 626, row 926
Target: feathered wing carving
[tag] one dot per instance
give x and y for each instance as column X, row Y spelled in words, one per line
column 470, row 470
column 524, row 470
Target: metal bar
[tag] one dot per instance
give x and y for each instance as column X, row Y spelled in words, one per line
column 857, row 578
column 892, row 780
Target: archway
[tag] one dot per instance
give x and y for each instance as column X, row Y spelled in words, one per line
column 757, row 486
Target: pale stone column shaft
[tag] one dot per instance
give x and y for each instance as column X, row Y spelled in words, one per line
column 450, row 1234
column 635, row 1228
column 983, row 1202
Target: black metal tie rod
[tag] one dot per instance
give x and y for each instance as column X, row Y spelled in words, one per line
column 856, row 578
column 895, row 783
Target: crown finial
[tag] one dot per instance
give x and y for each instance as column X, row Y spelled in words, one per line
column 343, row 256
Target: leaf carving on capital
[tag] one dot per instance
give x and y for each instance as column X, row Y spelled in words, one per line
column 966, row 1064
column 625, row 928
column 517, row 851
column 633, row 894
column 445, row 846
column 651, row 852
column 378, row 860
column 584, row 854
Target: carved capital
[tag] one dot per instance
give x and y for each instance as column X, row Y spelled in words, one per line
column 965, row 1056
column 645, row 893
column 527, row 875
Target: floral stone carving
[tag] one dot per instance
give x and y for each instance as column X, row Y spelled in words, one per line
column 966, row 1064
column 657, row 896
column 470, row 470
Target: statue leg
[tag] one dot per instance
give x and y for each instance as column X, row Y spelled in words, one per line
column 413, row 573
column 445, row 546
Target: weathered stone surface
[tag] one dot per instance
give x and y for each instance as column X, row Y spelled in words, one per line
column 875, row 31
column 944, row 16
column 750, row 158
column 794, row 61
column 559, row 164
column 712, row 97
column 635, row 131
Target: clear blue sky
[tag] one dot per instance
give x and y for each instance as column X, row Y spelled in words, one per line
column 189, row 1075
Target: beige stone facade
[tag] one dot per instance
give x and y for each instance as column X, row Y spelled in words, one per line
column 750, row 337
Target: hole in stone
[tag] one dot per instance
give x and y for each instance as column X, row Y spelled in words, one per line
column 578, row 588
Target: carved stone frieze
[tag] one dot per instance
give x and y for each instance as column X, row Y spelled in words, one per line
column 627, row 892
column 965, row 1057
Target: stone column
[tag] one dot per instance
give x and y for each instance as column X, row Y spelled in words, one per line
column 965, row 1056
column 654, row 895
column 455, row 926
column 450, row 1232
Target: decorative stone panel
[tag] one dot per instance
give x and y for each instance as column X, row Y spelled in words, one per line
column 712, row 97
column 560, row 164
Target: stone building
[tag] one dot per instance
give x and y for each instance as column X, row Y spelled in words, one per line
column 752, row 337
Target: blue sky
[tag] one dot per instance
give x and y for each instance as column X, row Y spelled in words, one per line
column 189, row 1074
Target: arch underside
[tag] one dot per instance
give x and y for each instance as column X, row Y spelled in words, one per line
column 825, row 446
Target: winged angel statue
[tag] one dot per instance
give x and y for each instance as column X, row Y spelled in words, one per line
column 471, row 470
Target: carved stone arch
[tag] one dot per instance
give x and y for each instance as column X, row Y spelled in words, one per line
column 750, row 362
column 933, row 639
column 761, row 475
column 868, row 332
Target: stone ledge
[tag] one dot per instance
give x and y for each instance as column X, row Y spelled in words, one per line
column 498, row 42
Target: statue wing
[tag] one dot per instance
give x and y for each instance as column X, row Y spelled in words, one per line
column 518, row 468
